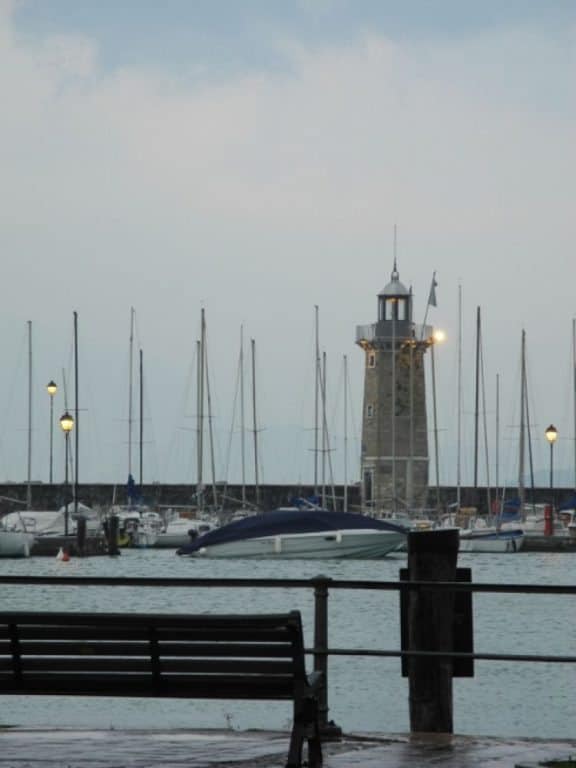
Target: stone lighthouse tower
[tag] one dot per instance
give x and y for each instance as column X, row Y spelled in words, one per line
column 394, row 460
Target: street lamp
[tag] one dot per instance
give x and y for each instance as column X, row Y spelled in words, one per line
column 51, row 389
column 551, row 435
column 67, row 424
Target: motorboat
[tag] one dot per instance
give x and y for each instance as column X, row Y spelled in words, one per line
column 292, row 533
column 138, row 526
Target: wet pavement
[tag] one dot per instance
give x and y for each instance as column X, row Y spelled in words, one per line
column 32, row 748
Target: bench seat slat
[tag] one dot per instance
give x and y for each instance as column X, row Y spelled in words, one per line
column 88, row 664
column 176, row 686
column 120, row 632
column 142, row 648
column 164, row 621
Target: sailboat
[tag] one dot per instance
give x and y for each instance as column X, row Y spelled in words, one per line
column 480, row 537
column 138, row 526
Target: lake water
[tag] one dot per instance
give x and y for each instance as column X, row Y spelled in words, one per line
column 366, row 694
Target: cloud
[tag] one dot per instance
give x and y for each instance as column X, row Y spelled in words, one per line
column 267, row 193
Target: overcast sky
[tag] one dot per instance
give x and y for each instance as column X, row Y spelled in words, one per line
column 252, row 158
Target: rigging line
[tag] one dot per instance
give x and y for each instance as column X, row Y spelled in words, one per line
column 210, row 422
column 232, row 426
column 485, row 425
column 182, row 411
column 529, row 435
column 326, row 450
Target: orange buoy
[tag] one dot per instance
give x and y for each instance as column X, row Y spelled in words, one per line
column 63, row 555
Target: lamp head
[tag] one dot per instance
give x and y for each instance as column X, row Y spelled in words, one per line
column 551, row 434
column 438, row 336
column 66, row 422
column 51, row 388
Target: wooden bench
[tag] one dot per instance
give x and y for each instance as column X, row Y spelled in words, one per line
column 164, row 655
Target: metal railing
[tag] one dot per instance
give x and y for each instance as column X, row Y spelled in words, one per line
column 322, row 586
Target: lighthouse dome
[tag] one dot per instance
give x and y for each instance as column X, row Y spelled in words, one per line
column 394, row 287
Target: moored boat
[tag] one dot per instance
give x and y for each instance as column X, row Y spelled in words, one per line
column 15, row 543
column 491, row 540
column 293, row 533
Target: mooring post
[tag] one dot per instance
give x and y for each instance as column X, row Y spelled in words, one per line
column 81, row 535
column 328, row 729
column 112, row 531
column 432, row 556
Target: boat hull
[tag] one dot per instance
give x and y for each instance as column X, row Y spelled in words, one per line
column 15, row 543
column 356, row 544
column 491, row 541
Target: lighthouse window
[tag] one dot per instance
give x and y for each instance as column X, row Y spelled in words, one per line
column 370, row 411
column 401, row 309
column 371, row 360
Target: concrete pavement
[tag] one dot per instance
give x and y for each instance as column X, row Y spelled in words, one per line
column 32, row 748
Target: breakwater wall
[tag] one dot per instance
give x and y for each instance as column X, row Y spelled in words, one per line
column 45, row 496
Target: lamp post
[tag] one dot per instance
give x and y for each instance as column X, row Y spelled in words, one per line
column 551, row 435
column 51, row 389
column 67, row 424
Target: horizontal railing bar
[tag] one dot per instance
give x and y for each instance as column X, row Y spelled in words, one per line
column 551, row 589
column 442, row 654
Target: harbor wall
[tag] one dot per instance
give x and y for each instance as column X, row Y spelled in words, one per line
column 46, row 496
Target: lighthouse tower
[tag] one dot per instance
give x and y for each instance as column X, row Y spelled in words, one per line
column 394, row 458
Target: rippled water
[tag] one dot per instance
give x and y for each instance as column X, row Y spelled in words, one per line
column 508, row 699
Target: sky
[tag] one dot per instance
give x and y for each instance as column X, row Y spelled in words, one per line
column 252, row 159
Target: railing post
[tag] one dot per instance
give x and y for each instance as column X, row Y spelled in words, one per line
column 432, row 556
column 328, row 729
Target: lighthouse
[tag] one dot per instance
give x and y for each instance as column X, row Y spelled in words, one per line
column 394, row 453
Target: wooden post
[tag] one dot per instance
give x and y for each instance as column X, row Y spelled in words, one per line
column 432, row 556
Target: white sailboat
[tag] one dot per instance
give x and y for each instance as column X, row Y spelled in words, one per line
column 479, row 537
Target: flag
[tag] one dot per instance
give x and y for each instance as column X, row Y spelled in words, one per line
column 432, row 295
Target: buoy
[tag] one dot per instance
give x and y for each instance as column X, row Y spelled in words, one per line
column 63, row 555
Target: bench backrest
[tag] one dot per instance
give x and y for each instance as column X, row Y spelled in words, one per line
column 104, row 654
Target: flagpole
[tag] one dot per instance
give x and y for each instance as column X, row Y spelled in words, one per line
column 430, row 303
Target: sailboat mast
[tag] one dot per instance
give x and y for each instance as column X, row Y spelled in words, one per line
column 574, row 393
column 255, row 424
column 324, row 431
column 476, row 399
column 29, row 473
column 316, row 394
column 200, row 426
column 76, row 411
column 435, row 420
column 210, row 427
column 345, row 433
column 394, row 318
column 242, row 418
column 141, row 437
column 459, row 408
column 497, row 437
column 521, row 490
column 130, row 389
